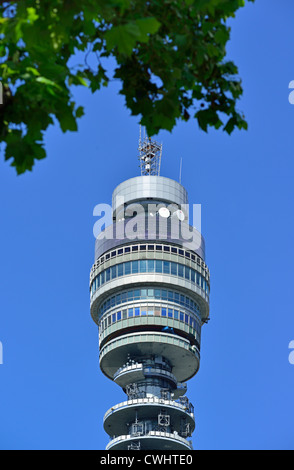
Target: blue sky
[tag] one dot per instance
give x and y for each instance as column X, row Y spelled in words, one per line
column 52, row 393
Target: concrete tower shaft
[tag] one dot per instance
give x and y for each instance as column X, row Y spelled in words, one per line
column 150, row 298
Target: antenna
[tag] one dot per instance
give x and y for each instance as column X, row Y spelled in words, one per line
column 149, row 156
column 180, row 179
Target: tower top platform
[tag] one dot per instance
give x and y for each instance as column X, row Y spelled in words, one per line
column 152, row 187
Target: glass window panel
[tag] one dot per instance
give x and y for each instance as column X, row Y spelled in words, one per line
column 157, row 293
column 158, row 266
column 166, row 267
column 107, row 275
column 120, row 270
column 163, row 312
column 102, row 277
column 170, row 296
column 181, row 270
column 113, row 317
column 113, row 272
column 198, row 279
column 124, row 314
column 130, row 312
column 187, row 273
column 176, row 314
column 143, row 293
column 127, row 267
column 137, row 294
column 124, row 297
column 135, row 267
column 150, row 293
column 174, row 269
column 130, row 295
column 143, row 266
column 118, row 316
column 150, row 265
column 170, row 313
column 143, row 312
column 193, row 275
column 151, row 312
column 186, row 318
column 137, row 311
column 181, row 316
column 164, row 294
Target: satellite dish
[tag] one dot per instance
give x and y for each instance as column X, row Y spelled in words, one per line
column 180, row 215
column 164, row 212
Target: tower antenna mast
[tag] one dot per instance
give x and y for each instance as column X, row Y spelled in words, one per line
column 149, row 156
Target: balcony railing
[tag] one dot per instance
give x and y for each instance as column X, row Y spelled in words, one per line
column 163, row 435
column 187, row 407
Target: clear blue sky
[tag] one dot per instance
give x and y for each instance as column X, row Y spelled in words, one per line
column 52, row 393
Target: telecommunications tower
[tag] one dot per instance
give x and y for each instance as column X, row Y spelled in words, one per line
column 150, row 297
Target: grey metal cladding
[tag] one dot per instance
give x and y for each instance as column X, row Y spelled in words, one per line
column 108, row 239
column 155, row 187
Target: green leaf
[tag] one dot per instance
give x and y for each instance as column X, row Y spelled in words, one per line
column 48, row 82
column 125, row 37
column 146, row 27
column 122, row 38
column 229, row 127
column 32, row 15
column 80, row 112
column 67, row 120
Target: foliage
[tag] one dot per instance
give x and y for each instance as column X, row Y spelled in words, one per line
column 169, row 55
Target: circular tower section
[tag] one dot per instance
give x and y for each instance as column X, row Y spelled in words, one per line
column 149, row 290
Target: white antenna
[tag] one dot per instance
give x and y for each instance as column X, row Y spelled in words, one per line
column 149, row 156
column 181, row 171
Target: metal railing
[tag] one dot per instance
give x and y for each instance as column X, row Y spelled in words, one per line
column 150, row 400
column 160, row 434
